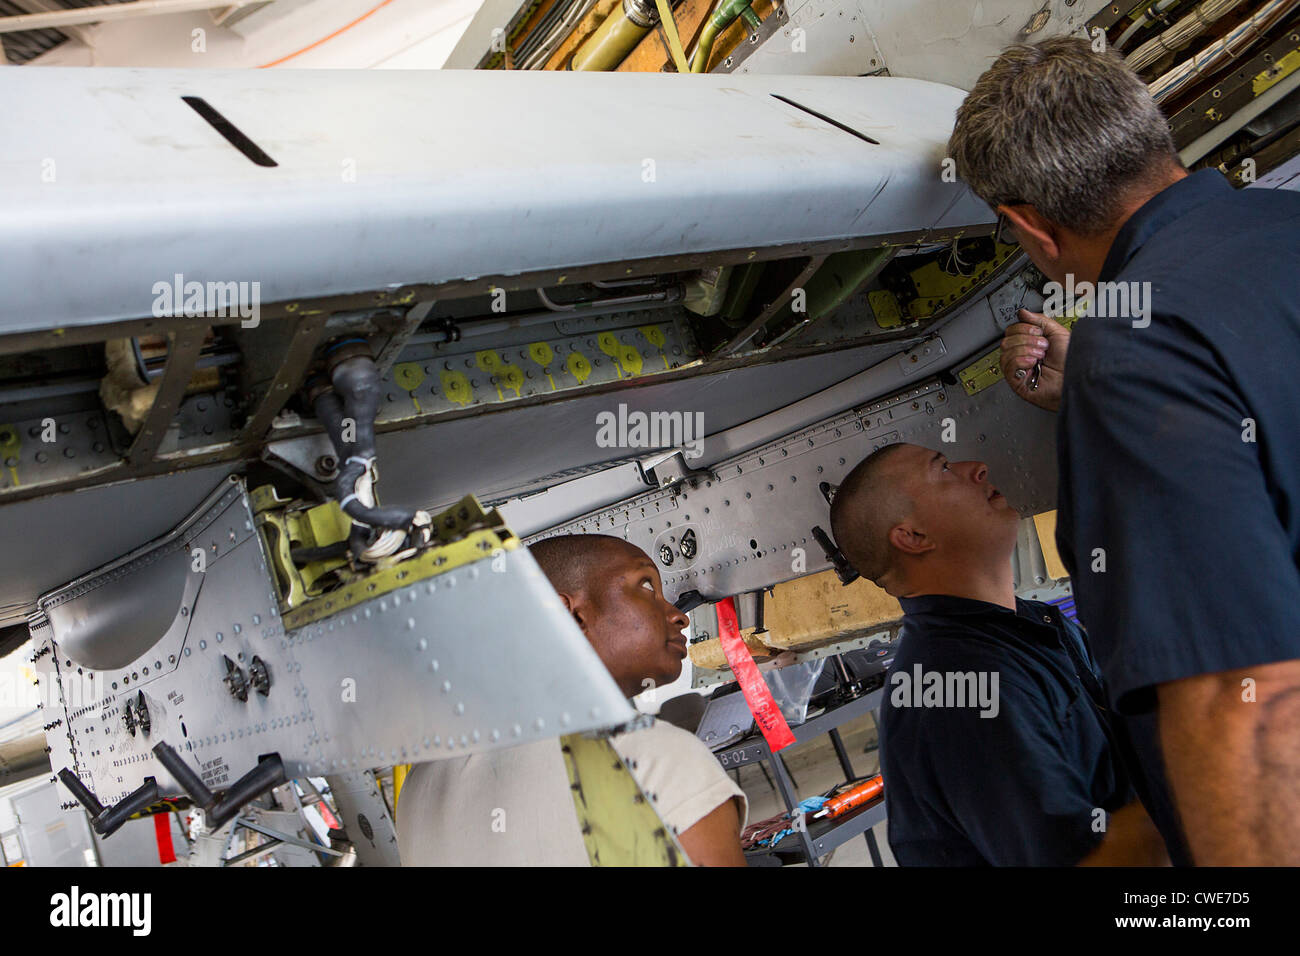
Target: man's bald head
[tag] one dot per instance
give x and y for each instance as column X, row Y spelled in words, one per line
column 912, row 521
column 867, row 504
column 573, row 562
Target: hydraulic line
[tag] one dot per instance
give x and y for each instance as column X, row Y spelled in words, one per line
column 524, row 320
column 722, row 17
column 347, row 409
column 541, row 31
column 667, row 295
column 615, row 38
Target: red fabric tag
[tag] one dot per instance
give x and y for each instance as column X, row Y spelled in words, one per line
column 331, row 821
column 766, row 713
column 162, row 828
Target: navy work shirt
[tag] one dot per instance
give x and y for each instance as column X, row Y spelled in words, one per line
column 1020, row 786
column 1179, row 454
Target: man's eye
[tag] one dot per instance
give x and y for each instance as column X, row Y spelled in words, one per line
column 945, row 467
column 648, row 584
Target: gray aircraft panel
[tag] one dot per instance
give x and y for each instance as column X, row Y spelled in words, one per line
column 384, row 178
column 478, row 657
column 495, row 455
column 55, row 539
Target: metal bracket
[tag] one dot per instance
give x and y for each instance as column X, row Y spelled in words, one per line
column 773, row 22
column 773, row 308
column 922, row 356
column 184, row 346
column 399, row 339
column 285, row 838
column 673, row 471
column 293, row 366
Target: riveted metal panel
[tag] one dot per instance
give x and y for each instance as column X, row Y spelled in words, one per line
column 750, row 524
column 481, row 657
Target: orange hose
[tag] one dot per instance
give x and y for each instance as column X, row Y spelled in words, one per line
column 341, row 29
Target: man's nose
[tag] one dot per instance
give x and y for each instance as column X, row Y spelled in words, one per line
column 975, row 471
column 676, row 618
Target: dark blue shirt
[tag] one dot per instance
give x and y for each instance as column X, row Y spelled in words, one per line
column 1021, row 786
column 1179, row 454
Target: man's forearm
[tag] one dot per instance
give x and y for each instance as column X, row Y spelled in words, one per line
column 1131, row 840
column 1231, row 744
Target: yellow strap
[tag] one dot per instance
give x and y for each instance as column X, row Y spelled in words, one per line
column 670, row 28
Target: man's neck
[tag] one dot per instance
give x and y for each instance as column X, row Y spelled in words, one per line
column 1090, row 255
column 991, row 587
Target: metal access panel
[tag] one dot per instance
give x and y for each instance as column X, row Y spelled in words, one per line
column 408, row 184
column 479, row 657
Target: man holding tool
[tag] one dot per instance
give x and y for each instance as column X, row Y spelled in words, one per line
column 1179, row 515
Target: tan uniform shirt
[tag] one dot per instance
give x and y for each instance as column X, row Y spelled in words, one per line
column 514, row 808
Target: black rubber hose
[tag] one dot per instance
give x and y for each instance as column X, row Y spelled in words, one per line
column 81, row 792
column 190, row 781
column 268, row 774
column 329, row 412
column 356, row 380
column 307, row 555
column 356, row 396
column 145, row 795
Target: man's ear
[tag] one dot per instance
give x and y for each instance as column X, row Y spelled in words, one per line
column 1033, row 228
column 910, row 540
column 577, row 608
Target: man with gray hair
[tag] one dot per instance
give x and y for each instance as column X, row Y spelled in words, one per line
column 1179, row 432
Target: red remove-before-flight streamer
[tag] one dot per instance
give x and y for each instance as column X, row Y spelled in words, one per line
column 758, row 695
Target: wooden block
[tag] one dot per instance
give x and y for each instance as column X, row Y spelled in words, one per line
column 1045, row 525
column 817, row 609
column 709, row 653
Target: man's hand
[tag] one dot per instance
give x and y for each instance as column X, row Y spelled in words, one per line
column 1035, row 338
